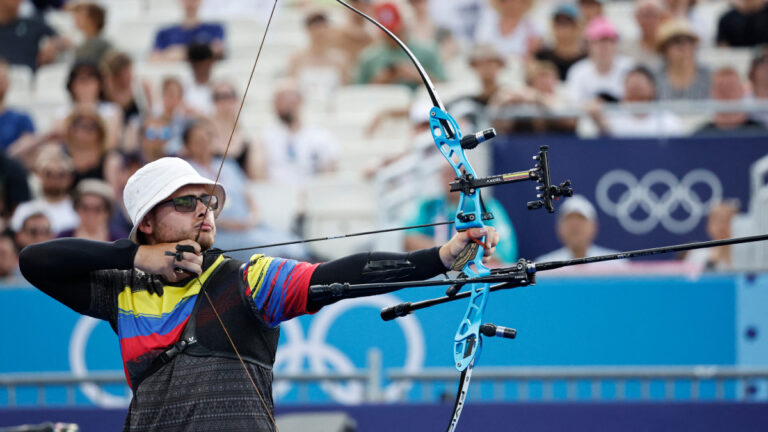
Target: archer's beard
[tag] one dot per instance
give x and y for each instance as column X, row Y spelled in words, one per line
column 206, row 239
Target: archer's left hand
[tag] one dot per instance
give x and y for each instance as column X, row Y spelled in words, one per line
column 451, row 250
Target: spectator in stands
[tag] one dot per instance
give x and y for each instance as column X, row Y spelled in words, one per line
column 242, row 149
column 200, row 151
column 85, row 142
column 356, row 34
column 198, row 95
column 14, row 188
column 576, row 230
column 425, row 30
column 718, row 228
column 173, row 113
column 681, row 76
column 85, row 85
column 507, row 26
column 120, row 224
column 171, row 42
column 321, row 67
column 386, row 63
column 443, row 208
column 744, row 25
column 649, row 15
column 461, row 17
column 700, row 20
column 758, row 77
column 639, row 87
column 487, row 63
column 55, row 171
column 601, row 75
column 27, row 41
column 569, row 45
column 727, row 86
column 14, row 125
column 538, row 107
column 591, row 9
column 154, row 135
column 240, row 226
column 120, row 88
column 295, row 152
column 31, row 224
column 93, row 203
column 173, row 108
column 90, row 19
column 470, row 109
column 9, row 259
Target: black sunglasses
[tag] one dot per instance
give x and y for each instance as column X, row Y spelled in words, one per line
column 188, row 203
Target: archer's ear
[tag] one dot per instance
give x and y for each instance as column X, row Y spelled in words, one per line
column 147, row 225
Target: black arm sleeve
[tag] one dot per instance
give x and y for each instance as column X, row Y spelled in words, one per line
column 62, row 268
column 377, row 267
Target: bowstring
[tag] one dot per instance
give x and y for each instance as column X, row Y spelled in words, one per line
column 333, row 237
column 208, row 208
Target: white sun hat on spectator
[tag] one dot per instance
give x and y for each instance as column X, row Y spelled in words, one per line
column 26, row 210
column 155, row 182
column 578, row 204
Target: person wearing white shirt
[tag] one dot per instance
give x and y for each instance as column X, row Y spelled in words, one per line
column 602, row 73
column 508, row 27
column 295, row 152
column 719, row 223
column 55, row 172
column 198, row 92
column 576, row 229
column 639, row 87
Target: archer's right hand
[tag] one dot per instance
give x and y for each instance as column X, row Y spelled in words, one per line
column 153, row 259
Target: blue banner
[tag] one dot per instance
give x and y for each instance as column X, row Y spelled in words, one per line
column 560, row 321
column 646, row 192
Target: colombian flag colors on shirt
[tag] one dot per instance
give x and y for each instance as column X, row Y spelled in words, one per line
column 148, row 323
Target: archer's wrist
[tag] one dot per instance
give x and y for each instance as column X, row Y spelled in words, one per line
column 445, row 257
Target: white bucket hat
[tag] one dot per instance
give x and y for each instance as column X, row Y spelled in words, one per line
column 578, row 204
column 156, row 181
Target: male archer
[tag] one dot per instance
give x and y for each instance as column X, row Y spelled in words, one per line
column 192, row 323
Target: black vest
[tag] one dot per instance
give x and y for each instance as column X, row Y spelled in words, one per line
column 204, row 335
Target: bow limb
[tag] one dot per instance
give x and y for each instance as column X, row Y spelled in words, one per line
column 469, row 214
column 447, row 136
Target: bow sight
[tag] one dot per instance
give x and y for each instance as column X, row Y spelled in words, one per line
column 547, row 192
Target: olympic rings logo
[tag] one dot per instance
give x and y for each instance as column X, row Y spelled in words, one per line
column 78, row 343
column 676, row 197
column 321, row 357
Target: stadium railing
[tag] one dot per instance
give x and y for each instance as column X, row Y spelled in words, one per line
column 533, row 384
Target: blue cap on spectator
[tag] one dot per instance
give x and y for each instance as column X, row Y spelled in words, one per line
column 568, row 10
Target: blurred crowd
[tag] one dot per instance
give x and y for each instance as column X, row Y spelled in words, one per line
column 67, row 180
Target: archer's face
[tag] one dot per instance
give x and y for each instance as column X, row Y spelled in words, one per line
column 165, row 224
